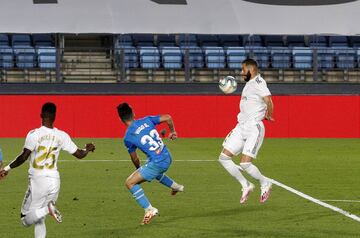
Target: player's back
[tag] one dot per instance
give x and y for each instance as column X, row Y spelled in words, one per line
column 45, row 144
column 142, row 134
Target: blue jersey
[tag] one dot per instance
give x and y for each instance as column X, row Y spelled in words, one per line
column 142, row 134
column 1, row 157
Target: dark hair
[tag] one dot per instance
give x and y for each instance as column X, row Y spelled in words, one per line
column 250, row 62
column 48, row 110
column 125, row 112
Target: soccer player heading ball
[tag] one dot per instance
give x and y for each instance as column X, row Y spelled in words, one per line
column 43, row 146
column 142, row 134
column 247, row 137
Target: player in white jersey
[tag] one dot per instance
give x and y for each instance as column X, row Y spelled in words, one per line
column 246, row 138
column 43, row 146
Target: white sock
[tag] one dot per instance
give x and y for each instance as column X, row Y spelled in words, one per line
column 40, row 229
column 148, row 208
column 35, row 216
column 231, row 167
column 254, row 172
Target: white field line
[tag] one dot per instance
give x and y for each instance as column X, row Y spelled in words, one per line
column 317, row 201
column 128, row 160
column 292, row 190
column 339, row 200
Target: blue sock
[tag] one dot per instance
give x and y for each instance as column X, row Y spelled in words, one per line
column 138, row 194
column 165, row 180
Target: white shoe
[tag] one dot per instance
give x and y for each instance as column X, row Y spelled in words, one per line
column 54, row 212
column 246, row 192
column 174, row 191
column 149, row 215
column 265, row 192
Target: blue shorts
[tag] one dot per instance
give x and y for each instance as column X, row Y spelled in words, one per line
column 150, row 170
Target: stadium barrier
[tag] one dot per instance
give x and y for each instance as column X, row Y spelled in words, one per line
column 194, row 116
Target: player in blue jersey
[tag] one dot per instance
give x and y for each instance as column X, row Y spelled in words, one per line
column 1, row 159
column 141, row 134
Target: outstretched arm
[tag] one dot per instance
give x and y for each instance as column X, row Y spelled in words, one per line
column 15, row 163
column 270, row 108
column 135, row 159
column 167, row 118
column 82, row 153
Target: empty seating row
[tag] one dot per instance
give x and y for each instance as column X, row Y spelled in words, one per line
column 236, row 40
column 214, row 57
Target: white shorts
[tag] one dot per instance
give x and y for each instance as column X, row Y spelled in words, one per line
column 41, row 190
column 245, row 139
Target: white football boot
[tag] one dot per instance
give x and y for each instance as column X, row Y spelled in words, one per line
column 265, row 192
column 246, row 192
column 54, row 212
column 149, row 215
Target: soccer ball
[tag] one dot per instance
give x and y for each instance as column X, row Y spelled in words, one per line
column 228, row 84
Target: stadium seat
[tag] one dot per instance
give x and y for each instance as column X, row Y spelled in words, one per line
column 196, row 59
column 143, row 40
column 24, row 56
column 354, row 41
column 230, row 40
column 302, row 57
column 338, row 41
column 235, row 56
column 6, row 57
column 295, row 41
column 260, row 54
column 187, row 40
column 171, row 57
column 252, row 40
column 46, row 57
column 280, row 57
column 4, row 40
column 20, row 40
column 318, row 41
column 149, row 57
column 214, row 57
column 166, row 40
column 325, row 58
column 42, row 40
column 274, row 41
column 345, row 58
column 130, row 56
column 208, row 40
column 123, row 40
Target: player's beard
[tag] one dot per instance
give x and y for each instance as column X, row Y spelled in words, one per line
column 247, row 77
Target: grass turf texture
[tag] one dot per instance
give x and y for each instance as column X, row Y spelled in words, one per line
column 95, row 203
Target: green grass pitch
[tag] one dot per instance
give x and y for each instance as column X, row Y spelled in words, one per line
column 95, row 203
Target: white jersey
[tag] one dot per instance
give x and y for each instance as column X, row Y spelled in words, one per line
column 45, row 144
column 252, row 105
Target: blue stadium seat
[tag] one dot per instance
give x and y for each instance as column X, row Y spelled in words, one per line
column 274, row 41
column 166, row 40
column 345, row 58
column 295, row 41
column 354, row 41
column 214, row 57
column 149, row 57
column 280, row 57
column 235, row 56
column 302, row 57
column 42, row 40
column 318, row 41
column 338, row 41
column 4, row 40
column 123, row 40
column 260, row 54
column 6, row 57
column 143, row 40
column 25, row 56
column 230, row 40
column 187, row 40
column 252, row 40
column 208, row 40
column 21, row 40
column 130, row 56
column 46, row 57
column 196, row 59
column 325, row 58
column 171, row 57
